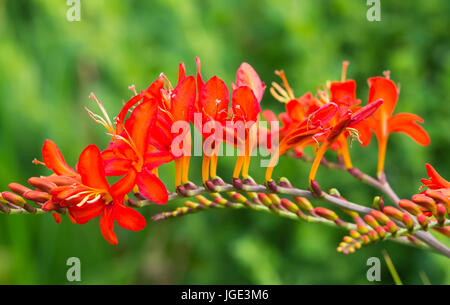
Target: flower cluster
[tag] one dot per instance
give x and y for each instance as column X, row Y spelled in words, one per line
column 153, row 128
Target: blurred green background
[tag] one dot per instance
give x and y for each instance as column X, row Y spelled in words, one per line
column 49, row 66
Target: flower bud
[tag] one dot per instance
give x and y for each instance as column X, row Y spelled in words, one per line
column 445, row 230
column 304, row 203
column 37, row 196
column 409, row 206
column 373, row 235
column 14, row 198
column 289, row 205
column 334, row 192
column 17, row 188
column 381, row 232
column 393, row 212
column 238, row 197
column 362, row 228
column 354, row 234
column 392, row 227
column 371, row 221
column 423, row 220
column 264, row 199
column 440, row 213
column 42, row 184
column 275, row 199
column 380, row 216
column 315, row 188
column 326, row 213
column 438, row 196
column 376, row 203
column 408, row 221
column 425, row 201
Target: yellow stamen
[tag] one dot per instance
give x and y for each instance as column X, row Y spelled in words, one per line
column 285, row 83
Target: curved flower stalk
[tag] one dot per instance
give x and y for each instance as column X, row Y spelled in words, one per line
column 145, row 134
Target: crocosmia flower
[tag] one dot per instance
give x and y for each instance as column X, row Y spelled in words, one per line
column 385, row 122
column 90, row 195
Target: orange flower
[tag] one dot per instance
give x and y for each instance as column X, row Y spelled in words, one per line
column 384, row 122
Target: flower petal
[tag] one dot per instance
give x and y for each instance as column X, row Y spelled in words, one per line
column 344, row 93
column 156, row 159
column 107, row 226
column 124, row 185
column 365, row 112
column 124, row 111
column 406, row 123
column 151, row 187
column 183, row 102
column 117, row 166
column 247, row 76
column 90, row 166
column 54, row 160
column 213, row 100
column 141, row 120
column 245, row 105
column 385, row 89
column 83, row 214
column 128, row 218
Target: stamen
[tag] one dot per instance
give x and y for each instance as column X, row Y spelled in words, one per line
column 344, row 70
column 285, row 83
column 133, row 88
column 387, row 74
column 36, row 161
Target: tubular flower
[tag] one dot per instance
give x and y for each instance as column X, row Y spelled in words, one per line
column 130, row 153
column 385, row 122
column 92, row 196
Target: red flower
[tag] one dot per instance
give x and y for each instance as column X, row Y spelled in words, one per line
column 92, row 196
column 435, row 181
column 384, row 122
column 130, row 153
column 247, row 76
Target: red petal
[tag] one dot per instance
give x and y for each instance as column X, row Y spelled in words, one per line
column 200, row 81
column 365, row 112
column 322, row 115
column 213, row 100
column 385, row 89
column 124, row 185
column 436, row 179
column 344, row 93
column 156, row 159
column 181, row 72
column 138, row 125
column 183, row 102
column 269, row 116
column 128, row 218
column 405, row 122
column 245, row 105
column 247, row 76
column 57, row 217
column 117, row 166
column 54, row 160
column 107, row 226
column 88, row 211
column 151, row 187
column 124, row 111
column 90, row 167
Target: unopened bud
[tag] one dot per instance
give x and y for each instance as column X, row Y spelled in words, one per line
column 393, row 212
column 370, row 220
column 37, row 196
column 238, row 197
column 334, row 192
column 275, row 199
column 14, row 198
column 42, row 184
column 354, row 234
column 365, row 239
column 445, row 230
column 315, row 188
column 440, row 213
column 380, row 216
column 264, row 199
column 304, row 203
column 18, row 188
column 61, row 180
column 438, row 196
column 376, row 203
column 423, row 220
column 408, row 221
column 409, row 206
column 425, row 201
column 326, row 213
column 392, row 227
column 348, row 239
column 381, row 232
column 362, row 228
column 289, row 205
column 373, row 235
